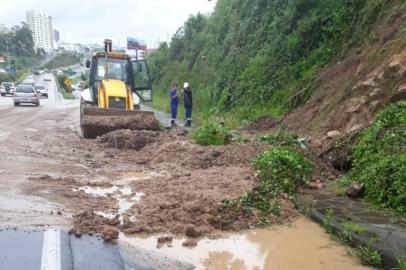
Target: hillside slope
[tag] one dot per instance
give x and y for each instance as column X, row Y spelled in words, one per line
column 349, row 93
column 257, row 57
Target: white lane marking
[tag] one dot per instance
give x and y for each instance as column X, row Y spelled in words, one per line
column 51, row 250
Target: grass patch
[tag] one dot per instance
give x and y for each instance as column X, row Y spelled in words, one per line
column 369, row 256
column 212, row 133
column 353, row 227
column 67, row 95
column 401, row 263
column 62, row 88
column 282, row 138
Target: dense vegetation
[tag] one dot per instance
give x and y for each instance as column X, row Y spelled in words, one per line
column 18, row 46
column 63, row 60
column 254, row 57
column 379, row 159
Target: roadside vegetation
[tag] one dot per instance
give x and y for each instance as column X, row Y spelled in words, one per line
column 252, row 58
column 63, row 88
column 63, row 60
column 212, row 133
column 280, row 172
column 379, row 159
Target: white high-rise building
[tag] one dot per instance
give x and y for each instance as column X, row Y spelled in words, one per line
column 42, row 31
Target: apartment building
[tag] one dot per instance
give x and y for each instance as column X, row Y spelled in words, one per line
column 42, row 31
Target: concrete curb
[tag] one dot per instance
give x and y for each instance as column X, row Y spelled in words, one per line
column 388, row 254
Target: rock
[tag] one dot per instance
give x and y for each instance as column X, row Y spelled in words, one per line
column 355, row 128
column 164, row 239
column 355, row 104
column 189, row 243
column 110, row 233
column 114, row 221
column 400, row 94
column 315, row 185
column 333, row 134
column 191, row 231
column 59, row 213
column 377, row 93
column 133, row 230
column 355, row 190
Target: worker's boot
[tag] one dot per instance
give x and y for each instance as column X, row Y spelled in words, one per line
column 173, row 124
column 188, row 123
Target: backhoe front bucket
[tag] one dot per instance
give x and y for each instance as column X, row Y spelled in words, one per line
column 95, row 122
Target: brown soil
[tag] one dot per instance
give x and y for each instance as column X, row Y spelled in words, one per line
column 182, row 195
column 350, row 92
column 95, row 125
column 128, row 139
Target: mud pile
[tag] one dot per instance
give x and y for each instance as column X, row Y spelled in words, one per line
column 128, row 139
column 87, row 222
column 94, row 125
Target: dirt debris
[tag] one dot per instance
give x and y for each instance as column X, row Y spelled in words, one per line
column 189, row 243
column 88, row 222
column 99, row 125
column 164, row 239
column 128, row 139
column 191, row 231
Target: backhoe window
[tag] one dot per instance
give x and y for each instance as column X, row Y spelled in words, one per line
column 117, row 69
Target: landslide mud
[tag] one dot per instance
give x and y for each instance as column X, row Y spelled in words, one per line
column 128, row 139
column 111, row 123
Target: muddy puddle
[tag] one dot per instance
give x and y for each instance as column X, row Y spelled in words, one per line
column 301, row 245
column 125, row 197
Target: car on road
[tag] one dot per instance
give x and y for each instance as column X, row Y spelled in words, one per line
column 7, row 88
column 41, row 90
column 29, row 80
column 47, row 79
column 26, row 93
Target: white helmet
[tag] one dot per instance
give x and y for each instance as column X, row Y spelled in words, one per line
column 186, row 85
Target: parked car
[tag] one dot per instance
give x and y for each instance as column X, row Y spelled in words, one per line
column 7, row 88
column 26, row 94
column 41, row 90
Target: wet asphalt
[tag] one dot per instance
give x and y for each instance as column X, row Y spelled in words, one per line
column 55, row 249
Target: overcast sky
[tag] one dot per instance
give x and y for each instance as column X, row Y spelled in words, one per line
column 92, row 21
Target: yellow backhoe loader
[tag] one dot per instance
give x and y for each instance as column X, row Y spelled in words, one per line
column 115, row 82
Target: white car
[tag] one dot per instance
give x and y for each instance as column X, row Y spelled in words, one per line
column 41, row 90
column 7, row 88
column 29, row 80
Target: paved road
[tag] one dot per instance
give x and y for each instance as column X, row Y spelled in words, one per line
column 57, row 250
column 39, row 140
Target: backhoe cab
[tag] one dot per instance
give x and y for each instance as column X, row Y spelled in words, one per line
column 114, row 77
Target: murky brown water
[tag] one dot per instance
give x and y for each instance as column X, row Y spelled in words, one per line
column 302, row 245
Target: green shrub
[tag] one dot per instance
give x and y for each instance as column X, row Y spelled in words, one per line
column 379, row 159
column 283, row 168
column 369, row 256
column 212, row 134
column 280, row 171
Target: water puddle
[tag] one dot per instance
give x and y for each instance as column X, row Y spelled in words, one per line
column 131, row 177
column 97, row 191
column 302, row 245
